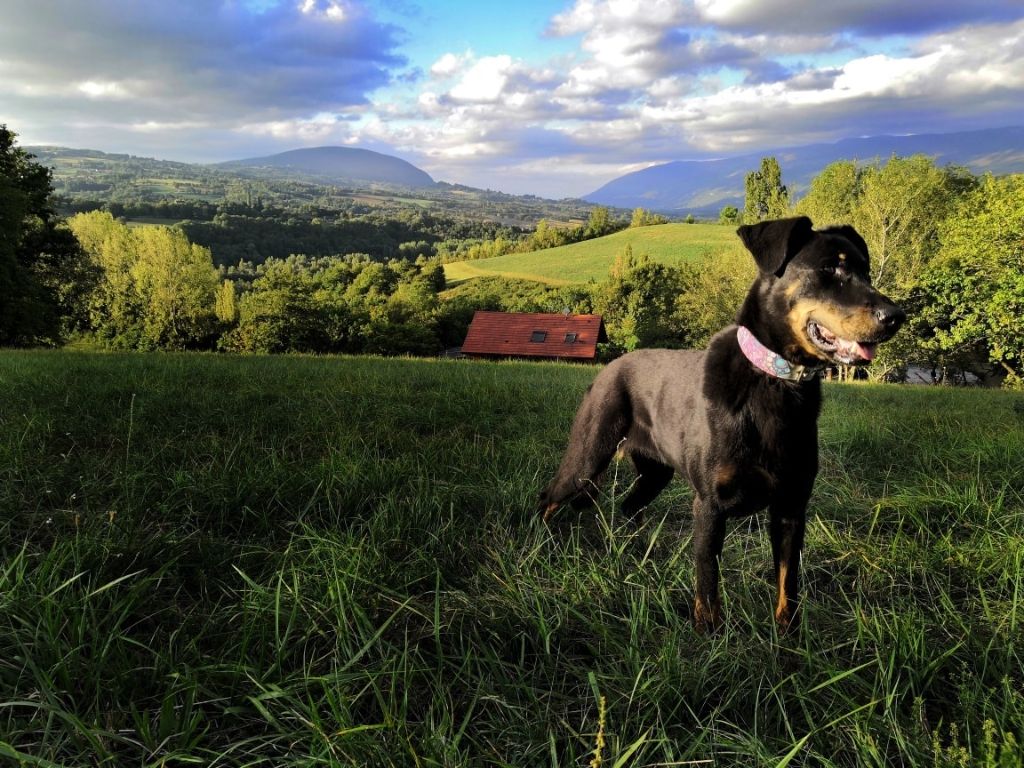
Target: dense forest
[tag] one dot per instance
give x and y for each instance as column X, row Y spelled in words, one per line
column 258, row 272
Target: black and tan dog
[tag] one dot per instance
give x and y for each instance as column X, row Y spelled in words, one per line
column 740, row 419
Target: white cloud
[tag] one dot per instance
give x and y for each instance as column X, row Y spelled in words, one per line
column 881, row 74
column 330, row 11
column 152, row 126
column 321, row 128
column 484, row 81
column 590, row 16
column 450, row 64
column 627, row 42
column 104, row 90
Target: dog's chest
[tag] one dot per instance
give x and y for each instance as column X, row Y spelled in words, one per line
column 756, row 454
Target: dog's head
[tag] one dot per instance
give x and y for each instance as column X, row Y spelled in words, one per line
column 813, row 297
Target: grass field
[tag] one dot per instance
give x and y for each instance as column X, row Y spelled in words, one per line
column 282, row 561
column 152, row 221
column 591, row 259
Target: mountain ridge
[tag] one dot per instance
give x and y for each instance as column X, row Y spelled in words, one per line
column 338, row 164
column 703, row 187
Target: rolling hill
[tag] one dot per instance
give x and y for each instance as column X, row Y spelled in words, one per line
column 703, row 187
column 591, row 259
column 91, row 176
column 338, row 164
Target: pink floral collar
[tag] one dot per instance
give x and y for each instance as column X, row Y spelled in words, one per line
column 770, row 362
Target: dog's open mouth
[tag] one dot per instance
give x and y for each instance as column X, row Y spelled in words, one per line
column 847, row 351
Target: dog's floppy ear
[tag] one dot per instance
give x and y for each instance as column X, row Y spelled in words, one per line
column 850, row 234
column 774, row 243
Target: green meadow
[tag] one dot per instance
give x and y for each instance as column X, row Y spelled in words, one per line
column 591, row 259
column 298, row 561
column 151, row 221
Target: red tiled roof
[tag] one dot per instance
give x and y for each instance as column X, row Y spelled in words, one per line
column 509, row 334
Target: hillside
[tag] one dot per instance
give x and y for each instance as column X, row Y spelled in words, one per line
column 703, row 187
column 591, row 259
column 337, row 165
column 268, row 561
column 85, row 178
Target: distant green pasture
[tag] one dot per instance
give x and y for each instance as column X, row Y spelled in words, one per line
column 152, row 221
column 591, row 259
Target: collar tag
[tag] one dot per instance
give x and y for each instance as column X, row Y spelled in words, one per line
column 771, row 363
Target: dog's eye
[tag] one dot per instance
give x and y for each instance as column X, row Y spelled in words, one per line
column 835, row 270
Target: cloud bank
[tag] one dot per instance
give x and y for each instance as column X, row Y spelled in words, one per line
column 645, row 82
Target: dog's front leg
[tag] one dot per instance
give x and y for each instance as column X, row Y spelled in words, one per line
column 708, row 539
column 787, row 531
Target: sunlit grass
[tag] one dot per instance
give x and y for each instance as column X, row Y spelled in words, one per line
column 592, row 259
column 297, row 561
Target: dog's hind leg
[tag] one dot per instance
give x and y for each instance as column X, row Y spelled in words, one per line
column 599, row 427
column 652, row 478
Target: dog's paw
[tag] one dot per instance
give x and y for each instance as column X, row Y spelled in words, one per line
column 787, row 618
column 707, row 617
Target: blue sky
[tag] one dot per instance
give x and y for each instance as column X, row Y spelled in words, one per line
column 550, row 97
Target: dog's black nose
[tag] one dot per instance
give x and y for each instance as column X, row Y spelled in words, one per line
column 891, row 316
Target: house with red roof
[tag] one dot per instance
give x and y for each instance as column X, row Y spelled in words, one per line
column 534, row 335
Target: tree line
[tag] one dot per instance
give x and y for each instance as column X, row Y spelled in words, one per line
column 252, row 230
column 945, row 243
column 154, row 289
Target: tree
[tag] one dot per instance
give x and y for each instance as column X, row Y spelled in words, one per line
column 985, row 229
column 899, row 209
column 973, row 296
column 638, row 302
column 113, row 306
column 765, row 195
column 226, row 307
column 832, row 195
column 714, row 287
column 155, row 290
column 545, row 236
column 644, row 218
column 1006, row 332
column 279, row 314
column 729, row 215
column 43, row 273
column 898, row 212
column 177, row 286
column 599, row 222
column 17, row 290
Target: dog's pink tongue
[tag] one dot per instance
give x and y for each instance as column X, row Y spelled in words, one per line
column 867, row 351
column 854, row 350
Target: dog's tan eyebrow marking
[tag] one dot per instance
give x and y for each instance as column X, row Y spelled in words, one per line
column 842, row 257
